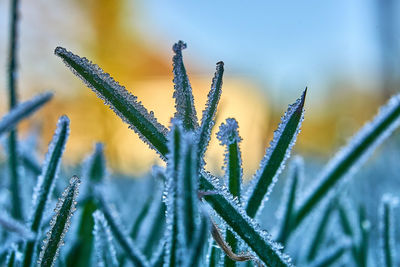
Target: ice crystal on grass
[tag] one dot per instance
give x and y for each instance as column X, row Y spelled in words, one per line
column 387, row 231
column 183, row 95
column 105, row 251
column 274, row 160
column 59, row 224
column 23, row 110
column 122, row 102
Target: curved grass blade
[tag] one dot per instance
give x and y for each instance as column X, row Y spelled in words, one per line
column 332, row 256
column 137, row 258
column 46, row 182
column 289, row 199
column 122, row 102
column 60, row 224
column 184, row 103
column 23, row 110
column 105, row 251
column 228, row 136
column 349, row 158
column 274, row 160
column 207, row 120
column 387, row 234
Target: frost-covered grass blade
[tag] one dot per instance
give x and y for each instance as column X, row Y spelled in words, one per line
column 59, row 224
column 22, row 111
column 387, row 234
column 123, row 103
column 352, row 156
column 332, row 256
column 46, row 182
column 184, row 102
column 275, row 157
column 10, row 224
column 105, row 251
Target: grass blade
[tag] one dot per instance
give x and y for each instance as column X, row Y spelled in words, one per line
column 23, row 110
column 60, row 224
column 184, row 102
column 352, row 156
column 105, row 251
column 140, row 218
column 332, row 256
column 275, row 157
column 46, row 182
column 12, row 225
column 198, row 244
column 123, row 103
column 387, row 234
column 207, row 120
column 365, row 227
column 228, row 136
column 137, row 258
column 289, row 199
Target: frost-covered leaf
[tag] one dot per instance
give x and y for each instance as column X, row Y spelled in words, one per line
column 122, row 102
column 207, row 120
column 10, row 224
column 105, row 251
column 387, row 231
column 287, row 210
column 274, row 160
column 141, row 217
column 59, row 224
column 95, row 169
column 198, row 243
column 120, row 235
column 184, row 104
column 349, row 158
column 46, row 181
column 23, row 110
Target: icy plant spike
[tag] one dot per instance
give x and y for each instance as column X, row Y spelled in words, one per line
column 137, row 258
column 289, row 198
column 207, row 120
column 45, row 183
column 184, row 101
column 22, row 111
column 59, row 224
column 123, row 103
column 352, row 156
column 275, row 156
column 387, row 233
column 225, row 208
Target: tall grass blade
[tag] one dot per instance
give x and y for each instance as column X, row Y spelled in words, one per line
column 288, row 202
column 274, row 160
column 156, row 230
column 46, row 182
column 133, row 253
column 122, row 102
column 105, row 251
column 22, row 111
column 349, row 158
column 332, row 256
column 365, row 227
column 207, row 120
column 141, row 217
column 198, row 243
column 387, row 233
column 59, row 224
column 184, row 102
column 228, row 136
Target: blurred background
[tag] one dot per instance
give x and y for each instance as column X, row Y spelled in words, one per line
column 345, row 52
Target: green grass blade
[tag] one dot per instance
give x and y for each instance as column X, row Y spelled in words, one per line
column 387, row 233
column 289, row 199
column 105, row 251
column 236, row 218
column 214, row 254
column 365, row 227
column 46, row 182
column 11, row 260
column 60, row 224
column 332, row 256
column 275, row 157
column 140, row 218
column 352, row 156
column 318, row 237
column 137, row 258
column 96, row 166
column 156, row 230
column 122, row 102
column 184, row 102
column 207, row 120
column 158, row 258
column 23, row 110
column 198, row 243
column 228, row 136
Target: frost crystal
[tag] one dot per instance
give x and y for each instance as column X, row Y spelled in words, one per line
column 183, row 95
column 23, row 110
column 59, row 224
column 104, row 247
column 121, row 101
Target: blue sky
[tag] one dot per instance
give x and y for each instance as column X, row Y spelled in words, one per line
column 282, row 44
